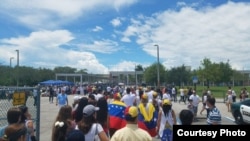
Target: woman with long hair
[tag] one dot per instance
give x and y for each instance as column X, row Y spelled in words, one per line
column 62, row 124
column 102, row 114
column 89, row 126
column 78, row 113
column 26, row 120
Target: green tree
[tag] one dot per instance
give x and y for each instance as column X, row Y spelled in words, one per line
column 82, row 71
column 206, row 71
column 150, row 74
column 178, row 75
column 64, row 70
column 139, row 77
column 226, row 72
column 138, row 68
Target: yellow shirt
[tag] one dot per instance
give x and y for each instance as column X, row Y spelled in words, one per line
column 131, row 133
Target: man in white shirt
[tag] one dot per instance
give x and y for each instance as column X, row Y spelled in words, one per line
column 194, row 101
column 129, row 99
column 150, row 94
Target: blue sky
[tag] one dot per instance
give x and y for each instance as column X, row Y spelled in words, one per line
column 116, row 35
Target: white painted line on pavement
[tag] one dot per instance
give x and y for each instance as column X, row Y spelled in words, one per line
column 231, row 119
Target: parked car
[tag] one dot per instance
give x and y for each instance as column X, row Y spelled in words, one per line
column 241, row 111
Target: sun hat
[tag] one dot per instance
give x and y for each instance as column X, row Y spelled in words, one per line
column 89, row 110
column 166, row 102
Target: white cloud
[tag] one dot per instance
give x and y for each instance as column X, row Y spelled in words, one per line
column 189, row 35
column 42, row 49
column 116, row 22
column 49, row 14
column 102, row 46
column 97, row 28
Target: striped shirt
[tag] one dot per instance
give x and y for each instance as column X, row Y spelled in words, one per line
column 214, row 117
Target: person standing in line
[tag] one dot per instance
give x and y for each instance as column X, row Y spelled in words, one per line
column 147, row 118
column 182, row 94
column 131, row 132
column 26, row 119
column 229, row 100
column 189, row 93
column 214, row 117
column 89, row 126
column 234, row 95
column 77, row 115
column 102, row 116
column 62, row 99
column 186, row 117
column 204, row 99
column 174, row 93
column 129, row 99
column 116, row 114
column 166, row 120
column 51, row 94
column 62, row 124
column 166, row 94
column 15, row 132
column 13, row 116
column 194, row 101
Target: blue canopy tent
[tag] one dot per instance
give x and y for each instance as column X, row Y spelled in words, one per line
column 55, row 82
column 48, row 82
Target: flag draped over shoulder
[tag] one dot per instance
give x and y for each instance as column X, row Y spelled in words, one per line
column 116, row 115
column 147, row 118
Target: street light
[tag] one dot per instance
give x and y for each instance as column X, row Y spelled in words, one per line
column 158, row 71
column 10, row 60
column 17, row 51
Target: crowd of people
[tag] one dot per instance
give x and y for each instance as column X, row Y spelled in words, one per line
column 115, row 114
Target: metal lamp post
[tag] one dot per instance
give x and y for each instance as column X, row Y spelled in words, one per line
column 11, row 60
column 17, row 51
column 158, row 65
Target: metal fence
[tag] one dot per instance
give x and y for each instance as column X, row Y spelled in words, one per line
column 17, row 96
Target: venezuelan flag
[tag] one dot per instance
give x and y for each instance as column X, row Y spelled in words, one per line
column 147, row 119
column 116, row 115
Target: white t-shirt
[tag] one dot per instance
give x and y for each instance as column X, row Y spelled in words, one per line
column 195, row 100
column 166, row 96
column 150, row 95
column 95, row 130
column 182, row 92
column 128, row 99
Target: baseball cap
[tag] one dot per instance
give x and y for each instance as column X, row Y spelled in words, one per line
column 76, row 98
column 117, row 96
column 132, row 111
column 75, row 135
column 155, row 94
column 89, row 110
column 166, row 102
column 144, row 96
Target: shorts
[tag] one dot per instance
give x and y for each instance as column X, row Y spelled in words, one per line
column 195, row 109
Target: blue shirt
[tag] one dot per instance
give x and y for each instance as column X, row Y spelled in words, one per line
column 2, row 129
column 62, row 99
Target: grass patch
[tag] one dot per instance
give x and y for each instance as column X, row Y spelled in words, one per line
column 219, row 91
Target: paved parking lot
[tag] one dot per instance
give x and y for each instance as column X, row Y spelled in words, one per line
column 49, row 112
